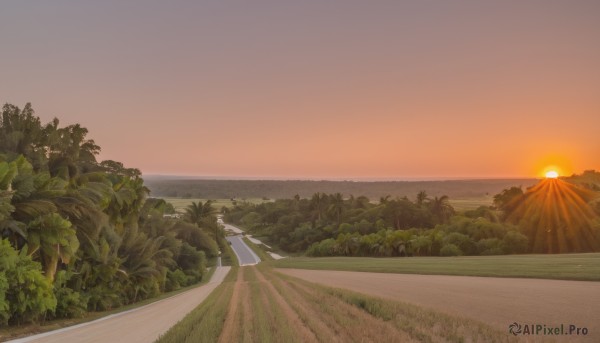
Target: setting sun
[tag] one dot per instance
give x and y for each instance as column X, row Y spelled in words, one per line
column 551, row 174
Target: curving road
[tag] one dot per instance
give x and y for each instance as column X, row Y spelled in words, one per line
column 143, row 324
column 245, row 255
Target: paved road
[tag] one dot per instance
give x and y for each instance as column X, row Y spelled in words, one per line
column 494, row 301
column 244, row 254
column 143, row 324
column 232, row 228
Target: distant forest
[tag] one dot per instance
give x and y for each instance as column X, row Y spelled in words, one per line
column 277, row 189
column 553, row 216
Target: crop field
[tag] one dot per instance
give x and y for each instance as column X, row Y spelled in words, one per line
column 563, row 267
column 257, row 304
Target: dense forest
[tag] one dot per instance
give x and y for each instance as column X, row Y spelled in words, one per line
column 553, row 216
column 280, row 189
column 80, row 235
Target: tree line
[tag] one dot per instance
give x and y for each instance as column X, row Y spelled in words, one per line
column 282, row 189
column 334, row 225
column 81, row 235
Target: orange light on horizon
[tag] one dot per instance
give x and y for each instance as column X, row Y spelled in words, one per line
column 552, row 171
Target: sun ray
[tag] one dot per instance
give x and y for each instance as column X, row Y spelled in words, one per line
column 556, row 216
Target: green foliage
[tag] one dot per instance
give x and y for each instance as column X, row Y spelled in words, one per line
column 89, row 224
column 394, row 227
column 28, row 295
column 70, row 304
column 450, row 250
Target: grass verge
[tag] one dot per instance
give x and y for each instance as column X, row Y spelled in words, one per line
column 205, row 323
column 585, row 267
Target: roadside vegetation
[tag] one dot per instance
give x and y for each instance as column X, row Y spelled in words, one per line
column 257, row 304
column 585, row 267
column 79, row 235
column 554, row 216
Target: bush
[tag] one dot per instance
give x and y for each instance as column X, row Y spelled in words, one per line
column 29, row 294
column 323, row 248
column 450, row 250
column 70, row 304
column 515, row 243
column 175, row 280
column 489, row 246
column 464, row 242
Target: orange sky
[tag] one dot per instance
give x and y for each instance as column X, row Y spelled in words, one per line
column 346, row 89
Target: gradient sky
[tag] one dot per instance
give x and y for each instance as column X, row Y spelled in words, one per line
column 315, row 89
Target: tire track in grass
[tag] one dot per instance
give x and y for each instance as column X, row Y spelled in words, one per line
column 230, row 328
column 350, row 322
column 312, row 319
column 293, row 321
column 245, row 316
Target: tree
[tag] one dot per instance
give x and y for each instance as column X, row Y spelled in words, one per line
column 55, row 240
column 422, row 198
column 318, row 203
column 196, row 212
column 337, row 206
column 508, row 200
column 441, row 208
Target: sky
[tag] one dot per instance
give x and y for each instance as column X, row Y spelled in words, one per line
column 316, row 89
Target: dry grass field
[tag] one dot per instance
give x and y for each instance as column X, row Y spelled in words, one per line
column 257, row 304
column 495, row 301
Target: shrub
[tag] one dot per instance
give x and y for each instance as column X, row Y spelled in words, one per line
column 489, row 246
column 450, row 250
column 514, row 243
column 175, row 280
column 70, row 303
column 29, row 294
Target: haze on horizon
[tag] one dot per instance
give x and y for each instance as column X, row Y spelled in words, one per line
column 342, row 89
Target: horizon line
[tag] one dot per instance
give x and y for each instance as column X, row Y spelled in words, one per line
column 338, row 179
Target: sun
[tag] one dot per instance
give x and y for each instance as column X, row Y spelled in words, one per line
column 551, row 174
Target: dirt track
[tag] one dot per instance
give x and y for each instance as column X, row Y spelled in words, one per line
column 143, row 324
column 495, row 301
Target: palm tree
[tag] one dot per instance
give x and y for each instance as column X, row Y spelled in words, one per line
column 421, row 198
column 196, row 212
column 55, row 240
column 318, row 203
column 337, row 206
column 441, row 208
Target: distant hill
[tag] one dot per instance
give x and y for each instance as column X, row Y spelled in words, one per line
column 278, row 189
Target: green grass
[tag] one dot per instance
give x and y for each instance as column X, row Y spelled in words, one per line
column 563, row 267
column 470, row 204
column 181, row 203
column 200, row 327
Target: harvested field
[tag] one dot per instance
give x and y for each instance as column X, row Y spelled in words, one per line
column 262, row 305
column 495, row 301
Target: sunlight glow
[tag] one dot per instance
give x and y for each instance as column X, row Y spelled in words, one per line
column 551, row 174
column 556, row 217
